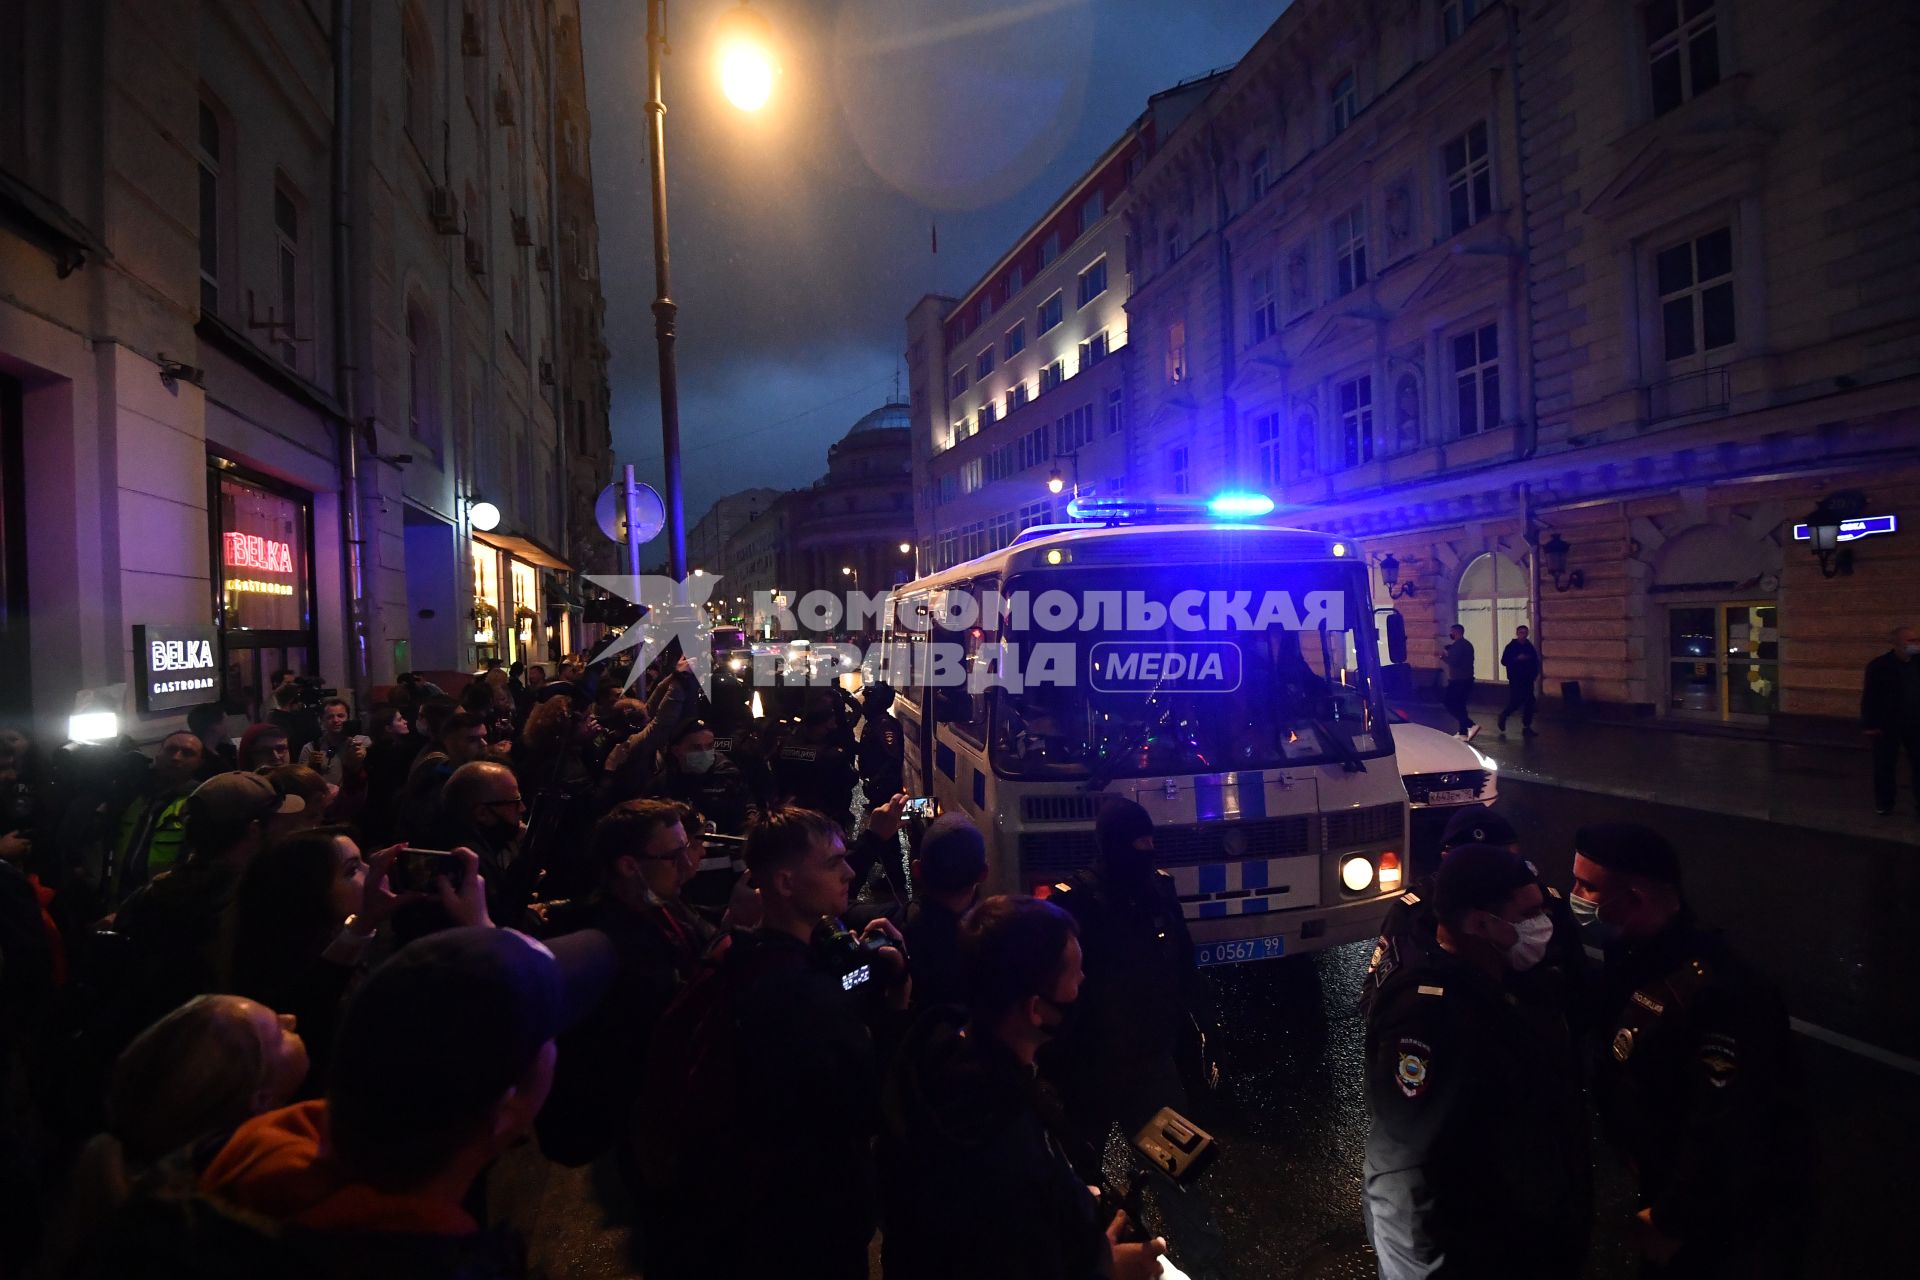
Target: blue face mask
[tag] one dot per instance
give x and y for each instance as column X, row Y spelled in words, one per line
column 1586, row 913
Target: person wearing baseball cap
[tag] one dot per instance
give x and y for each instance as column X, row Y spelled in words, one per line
column 1476, row 1158
column 443, row 1059
column 1697, row 1080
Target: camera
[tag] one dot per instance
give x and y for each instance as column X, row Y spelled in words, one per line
column 855, row 959
column 310, row 691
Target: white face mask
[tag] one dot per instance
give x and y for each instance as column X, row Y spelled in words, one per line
column 1531, row 946
column 698, row 761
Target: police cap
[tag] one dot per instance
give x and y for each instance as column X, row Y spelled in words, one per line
column 1630, row 848
column 1477, row 824
column 1478, row 877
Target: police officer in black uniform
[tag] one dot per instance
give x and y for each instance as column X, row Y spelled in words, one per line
column 1697, row 1080
column 1562, row 975
column 1140, row 1041
column 882, row 753
column 1476, row 1161
column 813, row 769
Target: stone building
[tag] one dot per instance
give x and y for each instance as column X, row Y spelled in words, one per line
column 250, row 265
column 1569, row 313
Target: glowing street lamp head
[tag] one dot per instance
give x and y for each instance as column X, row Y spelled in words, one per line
column 484, row 516
column 746, row 64
column 1055, row 481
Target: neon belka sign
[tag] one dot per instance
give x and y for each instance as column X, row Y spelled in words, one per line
column 250, row 551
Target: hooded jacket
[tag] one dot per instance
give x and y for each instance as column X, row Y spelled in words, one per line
column 976, row 1184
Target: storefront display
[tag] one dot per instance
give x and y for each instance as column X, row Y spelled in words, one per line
column 263, row 583
column 486, row 601
column 527, row 628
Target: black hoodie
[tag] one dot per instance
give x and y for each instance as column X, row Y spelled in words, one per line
column 975, row 1182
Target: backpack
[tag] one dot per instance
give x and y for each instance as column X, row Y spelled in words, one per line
column 692, row 1068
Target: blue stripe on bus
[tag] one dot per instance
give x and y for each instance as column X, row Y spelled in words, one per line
column 1253, row 873
column 979, row 789
column 1256, row 906
column 1213, row 910
column 1213, row 879
column 1253, row 796
column 943, row 759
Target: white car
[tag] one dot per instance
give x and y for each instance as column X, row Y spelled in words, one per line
column 1441, row 772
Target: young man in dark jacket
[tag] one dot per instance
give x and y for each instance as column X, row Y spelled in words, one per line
column 1890, row 713
column 1522, row 663
column 976, row 1180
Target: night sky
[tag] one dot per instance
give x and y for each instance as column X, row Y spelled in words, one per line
column 801, row 234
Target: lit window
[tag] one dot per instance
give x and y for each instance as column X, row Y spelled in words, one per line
column 1469, row 179
column 1177, row 351
column 1476, row 379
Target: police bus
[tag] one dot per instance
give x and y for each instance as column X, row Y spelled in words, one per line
column 1220, row 671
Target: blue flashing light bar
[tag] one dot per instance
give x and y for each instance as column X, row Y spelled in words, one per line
column 1241, row 506
column 1851, row 530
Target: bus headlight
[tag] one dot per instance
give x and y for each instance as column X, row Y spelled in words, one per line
column 1356, row 873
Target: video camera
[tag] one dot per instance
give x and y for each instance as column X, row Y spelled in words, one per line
column 856, row 960
column 311, row 691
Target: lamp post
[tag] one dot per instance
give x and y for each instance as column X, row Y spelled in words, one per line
column 746, row 73
column 1057, row 482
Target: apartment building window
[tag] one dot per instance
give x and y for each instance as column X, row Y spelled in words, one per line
column 957, row 384
column 423, row 377
column 1116, row 411
column 1345, row 101
column 1093, row 351
column 1016, row 280
column 971, row 476
column 1052, row 376
column 1455, row 15
column 1349, row 251
column 1476, row 379
column 1093, row 282
column 416, row 79
column 1016, row 395
column 949, row 488
column 1177, row 474
column 1049, row 249
column 1258, row 178
column 1177, row 351
column 1355, row 398
column 1176, row 243
column 983, row 417
column 955, row 434
column 1269, row 448
column 1050, row 312
column 1091, row 211
column 1016, row 339
column 1683, row 51
column 986, row 309
column 208, row 154
column 1263, row 320
column 286, row 226
column 1469, row 178
column 1695, row 279
column 983, row 363
column 1031, row 448
column 1072, row 430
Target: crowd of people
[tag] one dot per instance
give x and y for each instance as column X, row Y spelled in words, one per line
column 275, row 1003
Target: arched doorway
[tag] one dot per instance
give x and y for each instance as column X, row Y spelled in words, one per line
column 1494, row 598
column 1720, row 624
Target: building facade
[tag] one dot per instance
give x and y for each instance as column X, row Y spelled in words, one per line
column 707, row 540
column 1569, row 314
column 1018, row 388
column 252, row 266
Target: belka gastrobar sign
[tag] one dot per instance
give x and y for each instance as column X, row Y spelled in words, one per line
column 178, row 667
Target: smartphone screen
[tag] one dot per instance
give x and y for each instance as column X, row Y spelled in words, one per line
column 420, row 866
column 918, row 807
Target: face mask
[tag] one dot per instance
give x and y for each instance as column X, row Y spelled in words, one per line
column 1586, row 913
column 1528, row 949
column 698, row 761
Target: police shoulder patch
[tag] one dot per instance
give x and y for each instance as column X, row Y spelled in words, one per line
column 1385, row 959
column 1411, row 899
column 1413, row 1071
column 1623, row 1044
column 1647, row 1002
column 1720, row 1059
column 1553, row 892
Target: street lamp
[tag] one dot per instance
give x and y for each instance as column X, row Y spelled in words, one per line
column 1390, row 578
column 1555, row 550
column 848, row 571
column 483, row 515
column 906, row 548
column 746, row 70
column 1057, row 482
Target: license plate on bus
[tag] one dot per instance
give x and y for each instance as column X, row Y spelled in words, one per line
column 1240, row 950
column 1450, row 797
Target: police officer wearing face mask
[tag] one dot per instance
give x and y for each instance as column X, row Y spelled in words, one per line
column 1476, row 1158
column 1697, row 1080
column 1139, row 1039
column 1411, row 922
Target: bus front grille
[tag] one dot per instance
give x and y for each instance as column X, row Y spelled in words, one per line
column 1046, row 856
column 1364, row 826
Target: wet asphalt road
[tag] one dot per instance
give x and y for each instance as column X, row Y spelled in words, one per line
column 1824, row 915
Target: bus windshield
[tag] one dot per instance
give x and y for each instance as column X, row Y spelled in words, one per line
column 1298, row 690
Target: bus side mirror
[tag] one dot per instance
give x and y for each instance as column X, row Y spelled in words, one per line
column 1396, row 637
